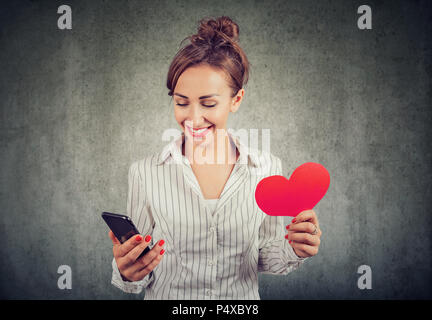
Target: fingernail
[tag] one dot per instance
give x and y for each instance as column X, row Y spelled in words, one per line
column 138, row 238
column 161, row 242
column 287, row 227
column 290, row 241
column 162, row 251
column 286, row 236
column 294, row 220
column 147, row 238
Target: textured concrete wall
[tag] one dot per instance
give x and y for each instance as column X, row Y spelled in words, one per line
column 78, row 106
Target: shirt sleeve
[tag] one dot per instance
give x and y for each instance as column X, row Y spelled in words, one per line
column 276, row 256
column 129, row 286
column 139, row 212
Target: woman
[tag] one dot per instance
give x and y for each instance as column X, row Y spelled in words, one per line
column 212, row 239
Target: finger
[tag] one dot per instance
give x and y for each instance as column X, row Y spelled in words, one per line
column 306, row 215
column 133, row 255
column 137, row 270
column 152, row 254
column 129, row 244
column 149, row 267
column 300, row 253
column 134, row 271
column 318, row 234
column 302, row 227
column 113, row 238
column 304, row 237
column 130, row 270
column 309, row 250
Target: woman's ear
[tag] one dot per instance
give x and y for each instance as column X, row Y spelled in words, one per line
column 236, row 101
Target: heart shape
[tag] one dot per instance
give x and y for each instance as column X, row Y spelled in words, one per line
column 278, row 196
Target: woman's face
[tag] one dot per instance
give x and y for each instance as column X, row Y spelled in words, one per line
column 202, row 99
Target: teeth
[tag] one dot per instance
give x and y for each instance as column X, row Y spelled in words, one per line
column 199, row 131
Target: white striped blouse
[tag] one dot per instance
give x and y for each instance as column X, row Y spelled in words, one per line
column 208, row 255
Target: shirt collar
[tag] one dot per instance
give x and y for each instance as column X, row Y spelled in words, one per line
column 173, row 151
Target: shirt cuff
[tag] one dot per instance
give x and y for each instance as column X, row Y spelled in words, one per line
column 129, row 286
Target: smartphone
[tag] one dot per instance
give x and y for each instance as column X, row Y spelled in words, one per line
column 122, row 227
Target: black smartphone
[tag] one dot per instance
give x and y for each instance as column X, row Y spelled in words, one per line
column 122, row 227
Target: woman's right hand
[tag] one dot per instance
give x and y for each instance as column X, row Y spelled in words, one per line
column 126, row 256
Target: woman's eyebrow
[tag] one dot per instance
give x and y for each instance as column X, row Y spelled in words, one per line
column 202, row 97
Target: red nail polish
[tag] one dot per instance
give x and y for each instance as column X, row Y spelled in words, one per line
column 162, row 251
column 287, row 227
column 286, row 236
column 147, row 238
column 290, row 241
column 161, row 242
column 294, row 220
column 138, row 238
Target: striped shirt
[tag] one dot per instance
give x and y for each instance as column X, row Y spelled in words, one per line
column 207, row 255
column 211, row 204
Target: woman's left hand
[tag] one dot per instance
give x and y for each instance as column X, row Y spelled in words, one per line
column 304, row 234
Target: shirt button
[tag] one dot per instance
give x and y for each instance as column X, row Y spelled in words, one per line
column 210, row 263
column 212, row 229
column 208, row 293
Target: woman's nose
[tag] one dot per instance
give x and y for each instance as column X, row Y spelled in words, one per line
column 195, row 115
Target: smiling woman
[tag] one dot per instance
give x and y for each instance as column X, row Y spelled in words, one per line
column 203, row 118
column 206, row 79
column 215, row 237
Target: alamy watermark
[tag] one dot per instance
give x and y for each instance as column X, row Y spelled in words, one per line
column 213, row 148
column 65, row 280
column 365, row 280
column 364, row 22
column 65, row 20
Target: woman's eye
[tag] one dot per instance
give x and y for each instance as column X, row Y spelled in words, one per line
column 205, row 105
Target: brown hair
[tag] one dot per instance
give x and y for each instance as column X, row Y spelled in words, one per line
column 215, row 44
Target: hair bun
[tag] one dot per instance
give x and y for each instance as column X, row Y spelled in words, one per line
column 215, row 44
column 217, row 31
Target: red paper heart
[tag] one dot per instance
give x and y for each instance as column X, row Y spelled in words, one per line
column 278, row 196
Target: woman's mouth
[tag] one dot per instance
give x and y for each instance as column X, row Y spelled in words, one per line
column 199, row 133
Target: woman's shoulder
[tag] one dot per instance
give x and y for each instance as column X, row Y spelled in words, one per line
column 143, row 165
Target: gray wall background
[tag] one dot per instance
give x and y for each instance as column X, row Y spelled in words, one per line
column 78, row 106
